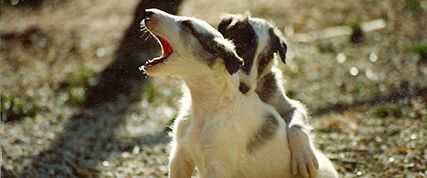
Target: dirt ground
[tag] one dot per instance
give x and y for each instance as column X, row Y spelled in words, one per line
column 368, row 99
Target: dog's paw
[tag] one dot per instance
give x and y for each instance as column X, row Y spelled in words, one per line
column 304, row 162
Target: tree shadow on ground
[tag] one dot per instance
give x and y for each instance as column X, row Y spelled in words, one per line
column 90, row 136
column 88, row 139
column 123, row 74
column 396, row 95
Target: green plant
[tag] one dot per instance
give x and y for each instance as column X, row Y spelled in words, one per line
column 169, row 126
column 78, row 82
column 413, row 5
column 291, row 94
column 381, row 112
column 13, row 110
column 83, row 77
column 76, row 96
column 421, row 51
column 395, row 111
column 356, row 89
column 151, row 92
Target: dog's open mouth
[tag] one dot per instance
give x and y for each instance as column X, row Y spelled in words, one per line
column 166, row 52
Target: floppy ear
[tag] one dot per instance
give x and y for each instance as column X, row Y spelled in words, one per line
column 218, row 47
column 223, row 25
column 278, row 44
column 225, row 50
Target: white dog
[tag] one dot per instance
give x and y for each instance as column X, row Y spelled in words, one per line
column 257, row 41
column 221, row 131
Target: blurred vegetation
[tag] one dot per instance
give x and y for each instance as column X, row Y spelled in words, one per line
column 291, row 94
column 83, row 76
column 152, row 92
column 421, row 51
column 383, row 112
column 413, row 5
column 14, row 110
column 79, row 80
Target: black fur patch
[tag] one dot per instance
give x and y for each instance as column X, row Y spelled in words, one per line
column 268, row 87
column 265, row 133
column 231, row 61
column 278, row 44
column 244, row 38
column 266, row 57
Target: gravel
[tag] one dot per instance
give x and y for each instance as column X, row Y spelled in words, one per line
column 368, row 100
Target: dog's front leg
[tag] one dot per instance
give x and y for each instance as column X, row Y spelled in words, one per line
column 304, row 161
column 180, row 166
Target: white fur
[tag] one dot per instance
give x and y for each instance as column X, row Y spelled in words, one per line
column 216, row 121
column 304, row 154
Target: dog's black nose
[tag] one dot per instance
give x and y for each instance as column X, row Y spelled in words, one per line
column 243, row 88
column 148, row 13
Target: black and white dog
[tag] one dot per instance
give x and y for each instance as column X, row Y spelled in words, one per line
column 257, row 41
column 219, row 130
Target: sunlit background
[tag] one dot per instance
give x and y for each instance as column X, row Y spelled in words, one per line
column 360, row 66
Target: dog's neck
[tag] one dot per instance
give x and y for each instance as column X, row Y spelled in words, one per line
column 211, row 90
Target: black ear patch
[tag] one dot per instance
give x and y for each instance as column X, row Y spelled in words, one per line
column 244, row 37
column 223, row 25
column 278, row 43
column 231, row 60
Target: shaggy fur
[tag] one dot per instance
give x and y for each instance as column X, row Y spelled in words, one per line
column 219, row 130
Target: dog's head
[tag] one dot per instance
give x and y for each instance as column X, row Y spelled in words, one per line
column 256, row 41
column 188, row 44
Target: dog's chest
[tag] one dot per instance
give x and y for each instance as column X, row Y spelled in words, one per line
column 221, row 139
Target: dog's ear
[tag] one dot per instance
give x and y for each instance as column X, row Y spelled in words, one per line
column 225, row 49
column 218, row 47
column 223, row 24
column 278, row 44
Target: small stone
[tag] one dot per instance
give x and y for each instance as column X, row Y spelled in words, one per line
column 373, row 57
column 105, row 163
column 341, row 57
column 136, row 150
column 354, row 71
column 125, row 155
